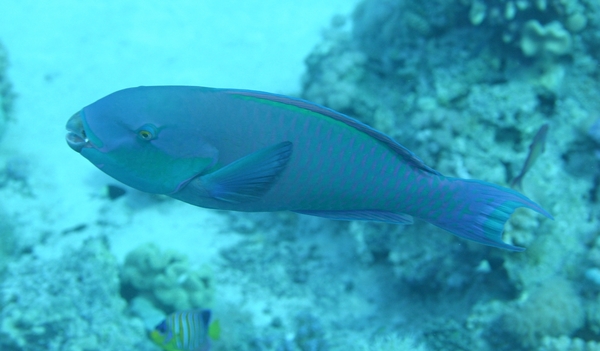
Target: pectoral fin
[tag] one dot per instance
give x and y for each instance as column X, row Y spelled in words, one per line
column 250, row 177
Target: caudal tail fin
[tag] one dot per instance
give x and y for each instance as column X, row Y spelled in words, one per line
column 477, row 210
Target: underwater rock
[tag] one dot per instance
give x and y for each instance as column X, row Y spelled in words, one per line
column 306, row 333
column 6, row 95
column 394, row 342
column 67, row 303
column 477, row 12
column 594, row 131
column 576, row 22
column 310, row 334
column 8, row 242
column 593, row 316
column 389, row 31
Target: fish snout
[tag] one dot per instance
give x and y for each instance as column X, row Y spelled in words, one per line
column 76, row 137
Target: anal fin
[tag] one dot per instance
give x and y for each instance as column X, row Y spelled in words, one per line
column 362, row 215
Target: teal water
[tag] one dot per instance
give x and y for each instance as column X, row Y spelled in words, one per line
column 465, row 85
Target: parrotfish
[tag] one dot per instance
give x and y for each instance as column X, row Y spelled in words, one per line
column 537, row 147
column 186, row 331
column 247, row 150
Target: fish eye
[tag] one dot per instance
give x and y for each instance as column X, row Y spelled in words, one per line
column 147, row 132
column 144, row 134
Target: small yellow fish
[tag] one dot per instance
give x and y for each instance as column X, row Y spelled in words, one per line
column 186, row 331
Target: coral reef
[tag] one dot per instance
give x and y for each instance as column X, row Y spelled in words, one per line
column 70, row 302
column 165, row 279
column 551, row 310
column 519, row 19
column 466, row 86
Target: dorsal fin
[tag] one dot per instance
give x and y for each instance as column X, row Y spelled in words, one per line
column 403, row 152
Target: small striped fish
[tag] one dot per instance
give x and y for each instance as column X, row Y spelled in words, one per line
column 186, row 331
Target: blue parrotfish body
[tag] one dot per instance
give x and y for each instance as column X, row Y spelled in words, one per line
column 253, row 151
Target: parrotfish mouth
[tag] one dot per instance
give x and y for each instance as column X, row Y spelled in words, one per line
column 76, row 137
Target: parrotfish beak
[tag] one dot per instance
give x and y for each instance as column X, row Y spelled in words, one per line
column 76, row 137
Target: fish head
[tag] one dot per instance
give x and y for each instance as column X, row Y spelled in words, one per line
column 162, row 336
column 159, row 333
column 142, row 139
